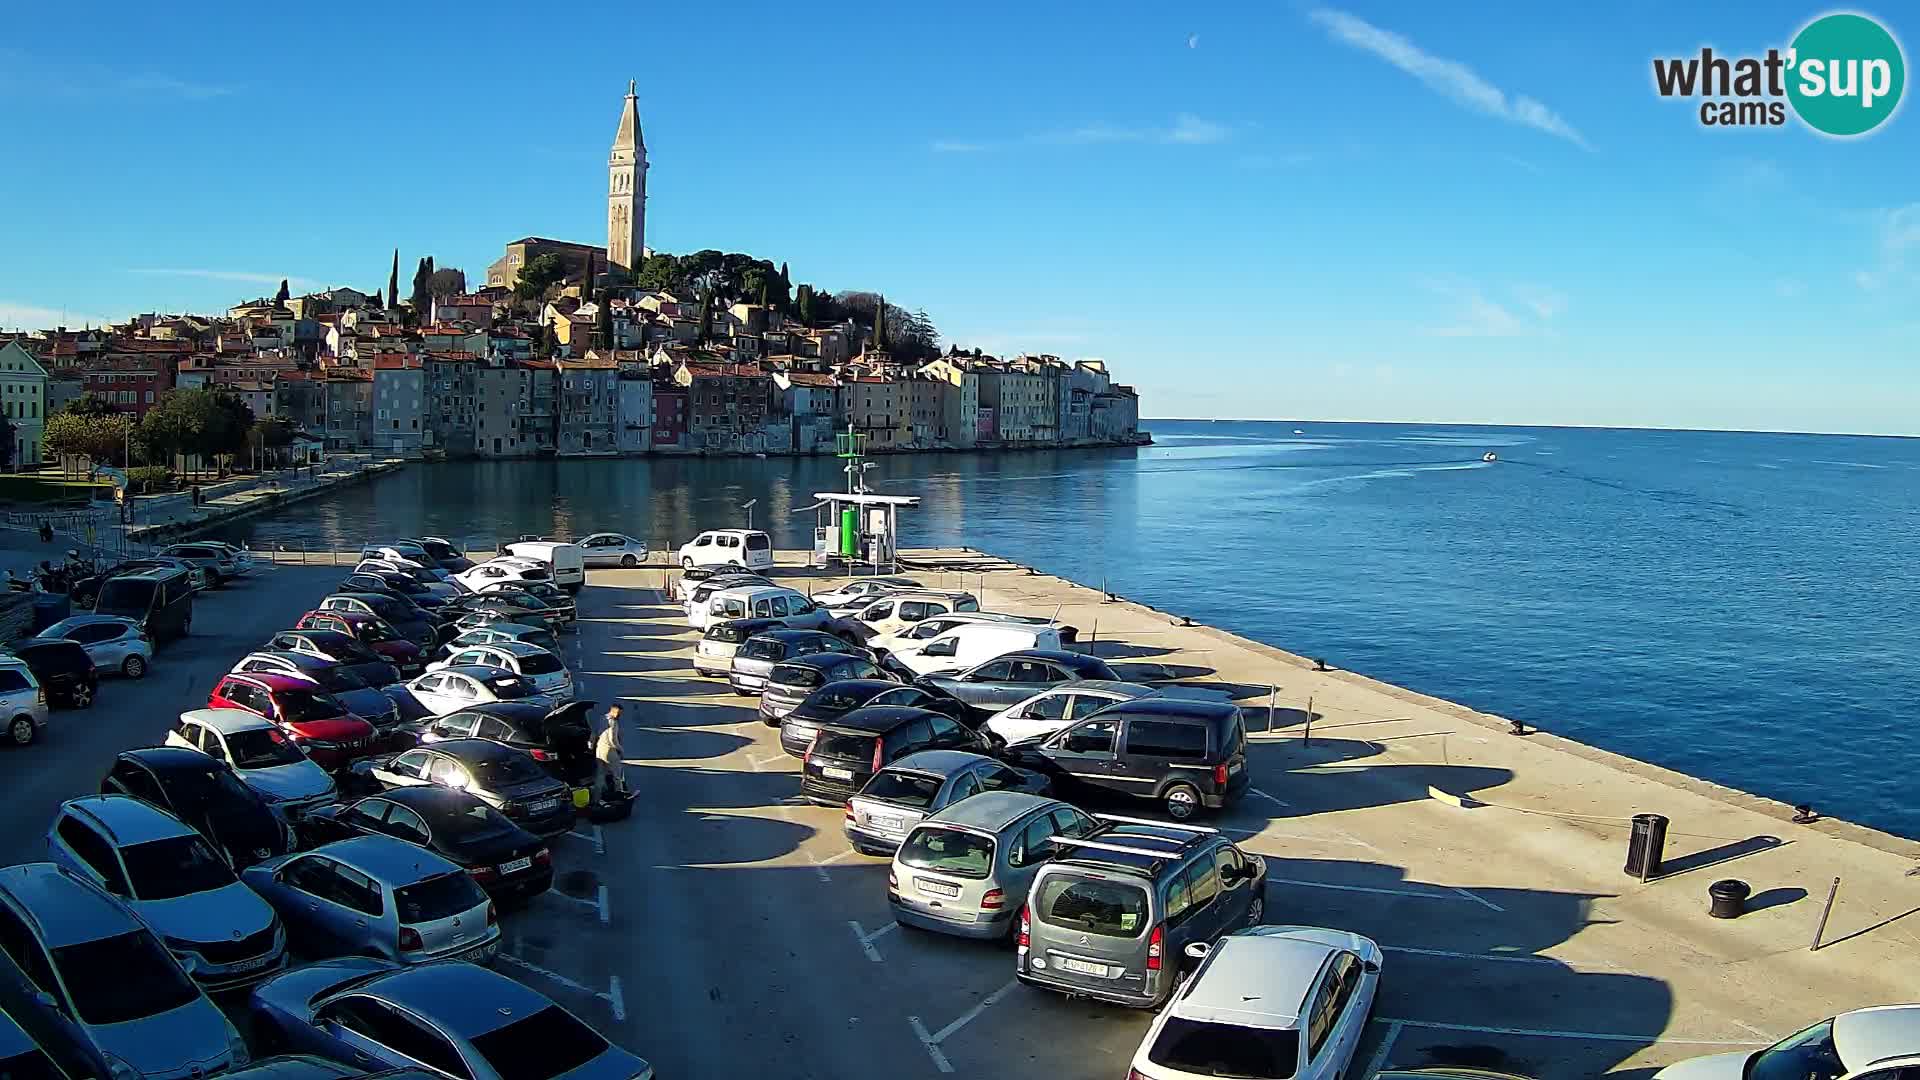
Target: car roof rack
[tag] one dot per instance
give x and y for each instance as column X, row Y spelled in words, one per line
column 1156, row 824
column 1101, row 845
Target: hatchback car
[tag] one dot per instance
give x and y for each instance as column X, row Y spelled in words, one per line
column 560, row 739
column 1060, row 705
column 613, row 549
column 23, row 702
column 216, row 562
column 452, row 689
column 746, row 548
column 504, row 570
column 315, row 720
column 1269, row 1001
column 718, row 644
column 340, row 680
column 545, row 593
column 863, row 588
column 493, row 633
column 504, row 778
column 1009, row 679
column 116, row 645
column 1877, row 1043
column 205, row 794
column 837, row 699
column 847, row 752
column 426, row 579
column 63, row 669
column 966, row 870
column 694, row 591
column 515, row 605
column 506, row 860
column 36, row 1041
column 758, row 655
column 378, row 896
column 541, row 668
column 371, row 631
column 899, row 796
column 1111, row 917
column 407, row 619
column 442, row 551
column 793, row 681
column 264, row 757
column 112, row 977
column 342, row 649
column 221, row 933
column 1187, row 755
column 894, row 611
column 456, row 1019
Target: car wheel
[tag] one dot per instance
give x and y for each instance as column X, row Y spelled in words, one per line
column 1256, row 911
column 133, row 667
column 21, row 731
column 686, row 562
column 82, row 696
column 1181, row 801
column 629, row 561
column 213, row 579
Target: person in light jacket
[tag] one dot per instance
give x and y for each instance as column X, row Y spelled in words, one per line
column 610, row 766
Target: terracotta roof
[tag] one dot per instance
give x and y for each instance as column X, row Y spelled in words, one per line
column 454, row 355
column 537, row 365
column 811, row 378
column 724, row 371
column 396, row 362
column 587, row 363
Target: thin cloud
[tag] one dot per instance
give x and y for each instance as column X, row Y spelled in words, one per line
column 243, row 277
column 30, row 74
column 1529, row 312
column 1897, row 237
column 22, row 316
column 955, row 146
column 1187, row 129
column 1449, row 78
column 1193, row 41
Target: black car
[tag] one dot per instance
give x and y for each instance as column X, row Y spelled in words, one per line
column 791, row 681
column 837, row 699
column 1007, row 680
column 64, row 670
column 521, row 608
column 561, row 739
column 846, row 753
column 398, row 584
column 1183, row 753
column 505, row 778
column 503, row 858
column 343, row 649
column 204, row 793
column 446, row 555
column 402, row 614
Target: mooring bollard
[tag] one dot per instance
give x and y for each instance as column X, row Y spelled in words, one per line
column 1729, row 898
column 1306, row 735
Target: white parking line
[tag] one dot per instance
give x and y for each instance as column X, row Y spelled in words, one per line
column 932, row 1042
column 615, row 999
column 606, row 910
column 611, row 996
column 1277, row 802
column 866, row 940
column 1379, row 1059
column 1588, row 1036
column 1372, row 889
column 933, row 1049
column 581, row 900
column 1478, row 899
column 596, row 838
column 1451, row 955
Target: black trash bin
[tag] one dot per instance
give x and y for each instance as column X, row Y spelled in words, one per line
column 1729, row 898
column 1645, row 846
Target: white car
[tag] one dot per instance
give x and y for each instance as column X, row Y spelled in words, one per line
column 1059, row 705
column 112, row 643
column 410, row 554
column 861, row 589
column 451, row 689
column 1287, row 1001
column 23, row 701
column 261, row 755
column 792, row 608
column 1877, row 1043
column 748, row 549
column 896, row 611
column 505, row 570
column 934, row 625
column 614, row 549
column 537, row 665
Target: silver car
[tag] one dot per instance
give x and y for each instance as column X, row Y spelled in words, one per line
column 966, row 870
column 375, row 895
column 112, row 643
column 612, row 549
column 111, row 976
column 757, row 656
column 908, row 791
column 219, row 930
column 218, row 563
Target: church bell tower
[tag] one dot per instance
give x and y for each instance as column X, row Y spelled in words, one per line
column 627, row 190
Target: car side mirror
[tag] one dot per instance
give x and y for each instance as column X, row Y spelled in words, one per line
column 1198, row 950
column 1371, row 967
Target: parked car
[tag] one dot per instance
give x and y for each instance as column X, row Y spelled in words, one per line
column 1060, row 705
column 217, row 563
column 1880, row 1042
column 342, row 681
column 757, row 656
column 718, row 644
column 1111, row 916
column 745, row 548
column 1006, row 680
column 504, row 777
column 516, row 605
column 37, row 1041
column 455, row 688
column 966, row 870
column 462, row 1021
column 836, row 699
column 443, row 552
column 694, row 586
column 613, row 549
column 334, row 647
column 791, row 681
column 434, row 581
column 23, row 701
column 493, row 633
column 262, row 755
column 904, row 793
column 408, row 620
column 222, row 934
column 111, row 975
column 502, row 571
column 934, row 625
column 114, row 644
column 408, row 553
column 792, row 608
column 206, row 794
column 315, row 720
column 539, row 667
column 846, row 753
column 371, row 631
column 560, row 739
column 505, row 859
column 63, row 669
column 898, row 610
column 1186, row 755
column 495, row 614
column 971, row 644
column 393, row 583
column 378, row 896
column 311, row 1067
column 87, row 590
column 1266, row 1001
column 566, row 563
column 159, row 601
column 863, row 588
column 540, row 597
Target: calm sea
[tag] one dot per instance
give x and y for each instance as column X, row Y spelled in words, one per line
column 1734, row 606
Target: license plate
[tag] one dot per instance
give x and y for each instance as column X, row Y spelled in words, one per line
column 515, row 866
column 887, row 824
column 1081, row 967
column 833, row 773
column 254, row 964
column 939, row 888
column 541, row 806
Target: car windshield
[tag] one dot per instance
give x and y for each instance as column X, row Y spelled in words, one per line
column 507, row 687
column 507, row 768
column 797, row 675
column 122, row 596
column 438, row 898
column 726, row 632
column 1808, row 1055
column 261, row 748
column 1108, row 908
column 948, row 851
column 471, row 823
column 1209, row 1049
column 541, row 664
column 845, row 745
column 540, row 1046
column 335, row 678
column 176, row 866
column 117, row 979
column 837, row 699
column 300, row 706
column 764, row 649
column 210, row 788
column 542, row 638
column 377, row 632
column 903, row 788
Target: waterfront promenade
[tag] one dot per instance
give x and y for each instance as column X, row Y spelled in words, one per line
column 726, row 930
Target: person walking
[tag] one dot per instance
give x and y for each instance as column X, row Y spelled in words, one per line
column 609, row 757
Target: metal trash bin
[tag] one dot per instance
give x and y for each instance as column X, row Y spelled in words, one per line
column 1729, row 898
column 1646, row 845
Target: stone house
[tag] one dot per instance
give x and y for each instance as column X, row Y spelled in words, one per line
column 589, row 404
column 729, row 405
column 23, row 397
column 634, row 431
column 399, row 405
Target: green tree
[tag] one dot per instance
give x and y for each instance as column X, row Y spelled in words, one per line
column 661, row 272
column 603, row 320
column 282, row 296
column 804, row 302
column 393, row 281
column 90, row 405
column 880, row 323
column 421, row 298
column 6, row 443
column 706, row 314
column 538, row 276
column 446, row 281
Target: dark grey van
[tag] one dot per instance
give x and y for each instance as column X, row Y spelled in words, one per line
column 161, row 601
column 1183, row 753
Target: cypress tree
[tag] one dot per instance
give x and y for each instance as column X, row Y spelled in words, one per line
column 880, row 324
column 393, row 281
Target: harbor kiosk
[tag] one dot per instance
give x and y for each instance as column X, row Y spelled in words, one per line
column 858, row 530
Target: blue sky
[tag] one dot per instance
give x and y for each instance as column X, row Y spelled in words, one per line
column 1351, row 211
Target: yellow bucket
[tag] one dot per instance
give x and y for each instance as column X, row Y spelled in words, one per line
column 582, row 798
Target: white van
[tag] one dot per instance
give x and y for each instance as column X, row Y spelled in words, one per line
column 746, row 548
column 972, row 643
column 758, row 602
column 566, row 562
column 897, row 610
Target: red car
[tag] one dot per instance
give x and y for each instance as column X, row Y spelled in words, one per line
column 371, row 631
column 313, row 718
